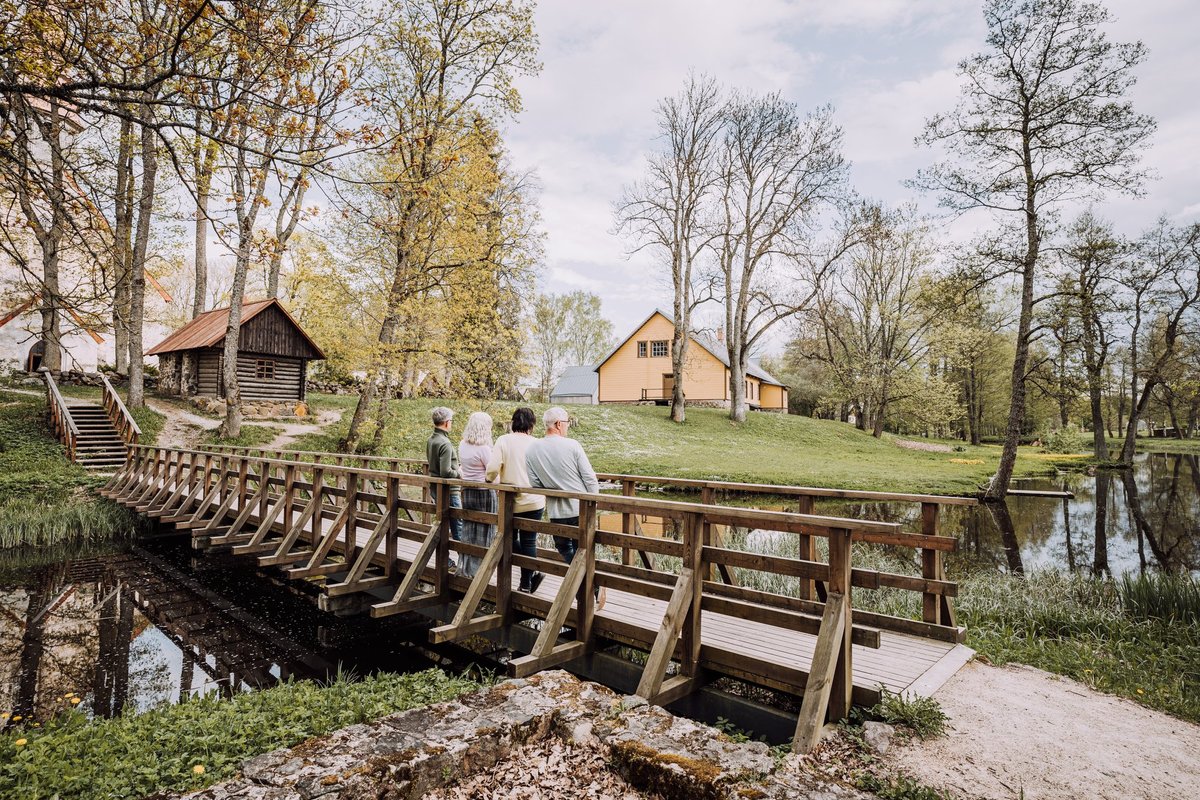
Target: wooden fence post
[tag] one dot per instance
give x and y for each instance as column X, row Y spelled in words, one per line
column 840, row 563
column 628, row 489
column 585, row 602
column 441, row 558
column 504, row 530
column 807, row 548
column 935, row 608
column 693, row 559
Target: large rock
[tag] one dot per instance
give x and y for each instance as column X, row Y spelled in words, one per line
column 408, row 754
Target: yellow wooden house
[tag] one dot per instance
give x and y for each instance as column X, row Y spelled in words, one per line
column 639, row 370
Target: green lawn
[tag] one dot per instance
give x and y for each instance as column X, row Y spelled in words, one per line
column 767, row 448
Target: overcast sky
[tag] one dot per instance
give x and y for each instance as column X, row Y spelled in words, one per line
column 885, row 65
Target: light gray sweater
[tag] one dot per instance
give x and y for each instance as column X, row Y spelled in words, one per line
column 557, row 462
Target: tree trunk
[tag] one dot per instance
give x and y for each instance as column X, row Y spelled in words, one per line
column 122, row 235
column 998, row 486
column 231, row 426
column 679, row 348
column 137, row 282
column 200, row 242
column 1100, row 561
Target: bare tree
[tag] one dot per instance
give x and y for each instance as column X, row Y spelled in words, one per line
column 1163, row 284
column 665, row 211
column 548, row 335
column 776, row 172
column 1090, row 259
column 1043, row 119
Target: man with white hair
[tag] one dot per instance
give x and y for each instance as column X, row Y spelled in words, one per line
column 442, row 457
column 558, row 462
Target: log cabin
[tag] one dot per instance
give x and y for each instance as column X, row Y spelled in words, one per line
column 273, row 354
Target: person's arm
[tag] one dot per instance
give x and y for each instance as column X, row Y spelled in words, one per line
column 535, row 480
column 495, row 463
column 444, row 460
column 585, row 470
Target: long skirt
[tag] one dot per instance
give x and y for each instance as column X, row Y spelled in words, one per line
column 477, row 533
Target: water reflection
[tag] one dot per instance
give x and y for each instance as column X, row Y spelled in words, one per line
column 157, row 625
column 1147, row 518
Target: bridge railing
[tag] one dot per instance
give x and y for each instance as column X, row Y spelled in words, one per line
column 61, row 422
column 937, row 593
column 118, row 414
column 356, row 528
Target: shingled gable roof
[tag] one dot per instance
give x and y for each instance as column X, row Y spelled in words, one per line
column 208, row 329
column 753, row 368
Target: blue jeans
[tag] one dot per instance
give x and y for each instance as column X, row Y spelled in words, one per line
column 566, row 547
column 456, row 524
column 525, row 543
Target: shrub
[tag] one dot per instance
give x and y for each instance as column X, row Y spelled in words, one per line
column 1161, row 596
column 1068, row 439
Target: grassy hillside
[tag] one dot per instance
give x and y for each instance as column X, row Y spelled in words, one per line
column 767, row 448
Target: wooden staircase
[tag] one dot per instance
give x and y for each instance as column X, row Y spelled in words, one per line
column 95, row 436
column 99, row 444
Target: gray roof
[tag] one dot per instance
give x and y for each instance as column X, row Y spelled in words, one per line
column 577, row 381
column 718, row 351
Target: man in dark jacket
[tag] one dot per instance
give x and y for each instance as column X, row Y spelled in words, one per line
column 442, row 456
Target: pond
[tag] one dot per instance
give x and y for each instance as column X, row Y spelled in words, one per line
column 156, row 622
column 1119, row 521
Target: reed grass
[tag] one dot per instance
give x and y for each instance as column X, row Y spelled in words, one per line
column 1169, row 597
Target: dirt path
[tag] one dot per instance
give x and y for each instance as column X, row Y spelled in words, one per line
column 1019, row 732
column 185, row 429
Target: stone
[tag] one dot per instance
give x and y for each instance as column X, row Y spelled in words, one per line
column 878, row 736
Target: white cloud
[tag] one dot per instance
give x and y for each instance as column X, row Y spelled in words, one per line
column 886, row 65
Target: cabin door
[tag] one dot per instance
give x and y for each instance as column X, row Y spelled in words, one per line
column 668, row 388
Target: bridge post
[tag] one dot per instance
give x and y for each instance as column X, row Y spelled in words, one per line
column 807, row 550
column 935, row 608
column 441, row 561
column 628, row 489
column 693, row 559
column 839, row 584
column 585, row 601
column 505, row 533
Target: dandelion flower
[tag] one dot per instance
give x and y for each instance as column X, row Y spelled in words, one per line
column 16, row 718
column 21, row 742
column 4, row 715
column 198, row 769
column 1141, row 691
column 69, row 694
column 75, row 701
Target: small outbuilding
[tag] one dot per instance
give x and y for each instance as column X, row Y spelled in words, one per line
column 577, row 385
column 273, row 354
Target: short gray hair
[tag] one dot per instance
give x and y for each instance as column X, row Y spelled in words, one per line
column 554, row 414
column 441, row 414
column 478, row 429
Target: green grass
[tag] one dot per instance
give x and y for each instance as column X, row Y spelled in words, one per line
column 1145, row 444
column 44, row 498
column 921, row 715
column 1161, row 596
column 250, row 436
column 767, row 448
column 135, row 755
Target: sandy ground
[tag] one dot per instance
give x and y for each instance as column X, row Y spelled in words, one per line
column 1018, row 732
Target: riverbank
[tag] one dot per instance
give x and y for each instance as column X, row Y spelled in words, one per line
column 45, row 499
column 194, row 744
column 766, row 448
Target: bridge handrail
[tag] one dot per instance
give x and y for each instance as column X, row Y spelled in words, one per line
column 359, row 499
column 60, row 416
column 118, row 414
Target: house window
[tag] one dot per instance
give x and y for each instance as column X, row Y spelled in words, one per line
column 641, row 349
column 659, row 349
column 264, row 368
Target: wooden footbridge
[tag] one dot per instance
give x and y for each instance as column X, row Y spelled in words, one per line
column 373, row 535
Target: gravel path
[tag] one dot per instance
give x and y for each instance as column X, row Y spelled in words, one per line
column 1019, row 732
column 184, row 428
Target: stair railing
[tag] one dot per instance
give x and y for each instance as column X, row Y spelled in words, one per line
column 60, row 417
column 118, row 414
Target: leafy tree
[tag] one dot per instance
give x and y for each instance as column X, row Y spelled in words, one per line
column 1043, row 119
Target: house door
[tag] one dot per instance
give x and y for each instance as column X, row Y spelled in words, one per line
column 668, row 388
column 34, row 359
